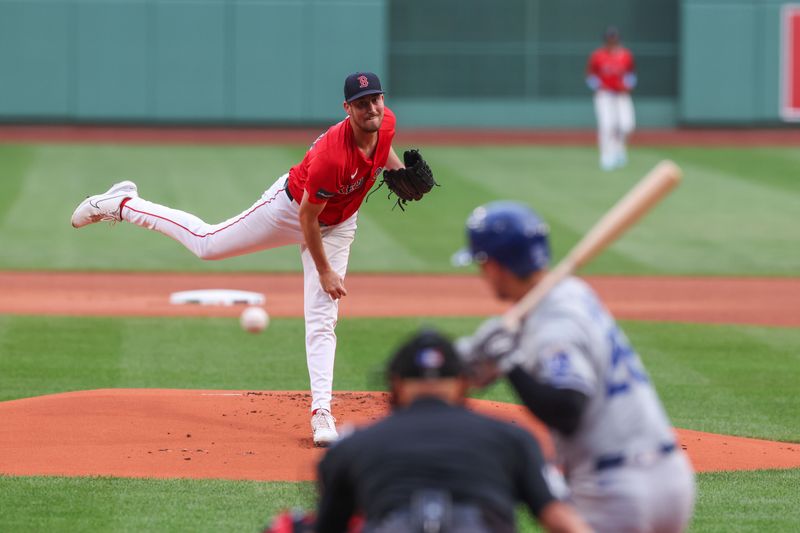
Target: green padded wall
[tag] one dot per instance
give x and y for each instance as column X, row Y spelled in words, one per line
column 499, row 63
column 730, row 61
column 210, row 61
column 111, row 61
column 36, row 58
column 524, row 48
column 189, row 64
column 521, row 63
column 265, row 70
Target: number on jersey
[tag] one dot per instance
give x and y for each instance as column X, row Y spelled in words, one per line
column 626, row 367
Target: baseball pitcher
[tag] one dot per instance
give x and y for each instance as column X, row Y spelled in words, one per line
column 314, row 205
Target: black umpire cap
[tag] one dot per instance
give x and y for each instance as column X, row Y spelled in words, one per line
column 426, row 355
column 361, row 84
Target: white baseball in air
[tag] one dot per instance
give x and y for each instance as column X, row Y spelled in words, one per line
column 254, row 319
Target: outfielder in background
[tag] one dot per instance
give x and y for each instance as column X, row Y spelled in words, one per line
column 611, row 74
column 314, row 205
column 575, row 370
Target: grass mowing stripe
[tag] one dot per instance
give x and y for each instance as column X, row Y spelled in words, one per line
column 742, row 376
column 422, row 238
column 115, row 504
column 766, row 500
column 213, row 183
column 41, row 355
column 380, row 246
column 736, row 380
column 699, row 215
column 726, row 501
column 694, row 231
column 775, row 168
column 15, row 163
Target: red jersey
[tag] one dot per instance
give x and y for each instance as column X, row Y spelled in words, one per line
column 610, row 67
column 334, row 170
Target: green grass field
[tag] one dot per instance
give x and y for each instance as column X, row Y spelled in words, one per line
column 734, row 215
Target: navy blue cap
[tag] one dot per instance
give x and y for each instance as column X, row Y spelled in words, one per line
column 361, row 84
column 426, row 355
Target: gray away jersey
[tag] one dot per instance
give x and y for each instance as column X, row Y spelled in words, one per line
column 571, row 341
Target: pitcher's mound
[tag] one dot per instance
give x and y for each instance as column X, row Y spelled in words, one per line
column 179, row 433
column 243, row 435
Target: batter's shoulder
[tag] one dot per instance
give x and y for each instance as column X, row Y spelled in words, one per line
column 569, row 289
column 566, row 304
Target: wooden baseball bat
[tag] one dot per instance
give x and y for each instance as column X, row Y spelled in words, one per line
column 629, row 209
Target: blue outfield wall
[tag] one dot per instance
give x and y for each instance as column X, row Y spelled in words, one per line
column 445, row 63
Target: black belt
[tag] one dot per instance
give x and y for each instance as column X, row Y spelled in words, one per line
column 291, row 199
column 617, row 460
column 286, row 188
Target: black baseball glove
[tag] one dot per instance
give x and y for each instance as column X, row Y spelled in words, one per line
column 412, row 182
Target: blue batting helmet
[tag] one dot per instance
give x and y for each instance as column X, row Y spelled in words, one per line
column 510, row 233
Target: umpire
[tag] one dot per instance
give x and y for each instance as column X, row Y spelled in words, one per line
column 432, row 465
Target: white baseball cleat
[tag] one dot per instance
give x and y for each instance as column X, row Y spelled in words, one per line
column 324, row 427
column 103, row 206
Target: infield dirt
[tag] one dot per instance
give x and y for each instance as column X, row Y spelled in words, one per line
column 246, row 435
column 763, row 301
column 264, row 435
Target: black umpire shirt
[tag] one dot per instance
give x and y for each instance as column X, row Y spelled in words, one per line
column 431, row 445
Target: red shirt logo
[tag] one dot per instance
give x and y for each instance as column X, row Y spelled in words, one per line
column 363, row 81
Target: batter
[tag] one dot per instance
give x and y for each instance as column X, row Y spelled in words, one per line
column 314, row 205
column 573, row 367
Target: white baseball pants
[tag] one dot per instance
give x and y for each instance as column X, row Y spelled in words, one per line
column 270, row 222
column 656, row 498
column 615, row 121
